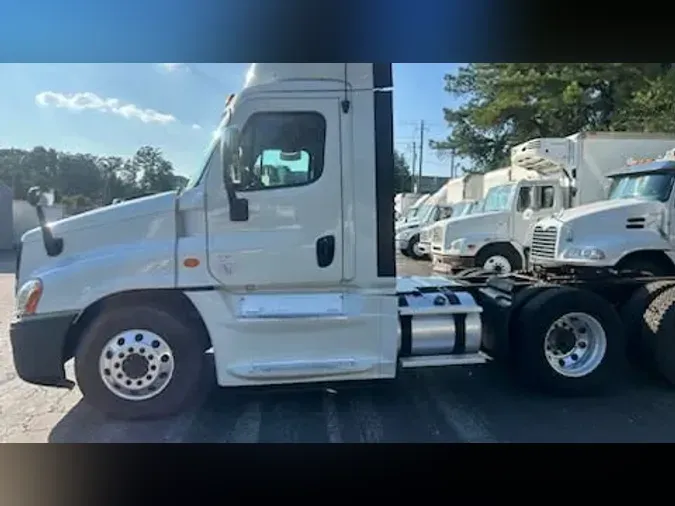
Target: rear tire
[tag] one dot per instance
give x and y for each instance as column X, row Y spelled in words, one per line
column 659, row 335
column 142, row 362
column 633, row 313
column 568, row 341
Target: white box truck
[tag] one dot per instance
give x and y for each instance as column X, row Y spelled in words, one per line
column 489, row 239
column 288, row 281
column 631, row 229
column 437, row 207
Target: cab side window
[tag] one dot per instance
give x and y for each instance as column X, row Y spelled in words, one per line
column 546, row 197
column 279, row 150
column 524, row 198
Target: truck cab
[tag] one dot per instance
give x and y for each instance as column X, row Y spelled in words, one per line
column 286, row 280
column 496, row 239
column 429, row 211
column 631, row 230
column 457, row 210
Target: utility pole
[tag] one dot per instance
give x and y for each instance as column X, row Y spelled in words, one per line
column 413, row 179
column 421, row 150
column 452, row 164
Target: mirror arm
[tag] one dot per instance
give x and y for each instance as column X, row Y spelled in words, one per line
column 53, row 245
column 238, row 206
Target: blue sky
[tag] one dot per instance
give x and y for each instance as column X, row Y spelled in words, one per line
column 112, row 109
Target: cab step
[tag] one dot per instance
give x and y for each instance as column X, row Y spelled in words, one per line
column 443, row 360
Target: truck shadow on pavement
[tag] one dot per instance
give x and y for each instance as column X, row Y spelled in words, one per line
column 452, row 405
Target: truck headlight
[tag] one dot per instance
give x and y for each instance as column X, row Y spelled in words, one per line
column 456, row 244
column 27, row 298
column 584, row 254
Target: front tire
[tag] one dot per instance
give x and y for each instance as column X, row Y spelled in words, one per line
column 412, row 250
column 142, row 362
column 568, row 341
column 499, row 259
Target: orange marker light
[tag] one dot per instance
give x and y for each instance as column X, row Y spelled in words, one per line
column 191, row 262
column 33, row 299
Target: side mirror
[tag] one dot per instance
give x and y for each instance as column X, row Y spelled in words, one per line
column 34, row 196
column 239, row 209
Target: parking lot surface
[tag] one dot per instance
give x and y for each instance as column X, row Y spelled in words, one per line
column 460, row 404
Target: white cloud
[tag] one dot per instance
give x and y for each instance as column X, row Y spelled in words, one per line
column 196, row 127
column 91, row 101
column 172, row 67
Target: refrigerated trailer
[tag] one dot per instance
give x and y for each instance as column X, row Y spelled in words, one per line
column 288, row 281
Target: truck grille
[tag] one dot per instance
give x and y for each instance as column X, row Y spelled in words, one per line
column 437, row 234
column 544, row 242
column 425, row 234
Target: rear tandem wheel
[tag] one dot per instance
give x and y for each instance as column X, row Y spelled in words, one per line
column 568, row 341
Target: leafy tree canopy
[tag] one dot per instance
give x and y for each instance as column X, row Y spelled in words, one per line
column 509, row 103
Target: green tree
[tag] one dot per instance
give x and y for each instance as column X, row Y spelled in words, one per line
column 509, row 103
column 402, row 178
column 156, row 173
column 83, row 181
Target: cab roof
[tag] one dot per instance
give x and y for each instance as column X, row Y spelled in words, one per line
column 645, row 168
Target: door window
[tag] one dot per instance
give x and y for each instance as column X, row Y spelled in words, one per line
column 546, row 197
column 279, row 150
column 524, row 198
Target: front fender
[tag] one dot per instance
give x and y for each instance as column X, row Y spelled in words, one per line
column 470, row 244
column 79, row 281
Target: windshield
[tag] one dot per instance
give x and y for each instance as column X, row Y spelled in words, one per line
column 461, row 209
column 646, row 186
column 426, row 211
column 498, row 198
column 195, row 175
column 477, row 207
column 410, row 213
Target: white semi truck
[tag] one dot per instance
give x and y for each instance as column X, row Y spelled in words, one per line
column 403, row 201
column 486, row 237
column 438, row 206
column 462, row 195
column 570, row 172
column 412, row 213
column 289, row 281
column 633, row 229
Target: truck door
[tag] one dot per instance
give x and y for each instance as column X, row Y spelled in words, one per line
column 535, row 201
column 294, row 232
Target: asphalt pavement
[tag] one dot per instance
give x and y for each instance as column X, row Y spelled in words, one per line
column 460, row 404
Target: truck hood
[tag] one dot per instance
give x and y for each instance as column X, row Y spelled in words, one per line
column 403, row 225
column 622, row 208
column 455, row 228
column 102, row 216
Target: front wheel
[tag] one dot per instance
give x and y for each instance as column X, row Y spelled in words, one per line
column 413, row 249
column 568, row 341
column 141, row 362
column 498, row 259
